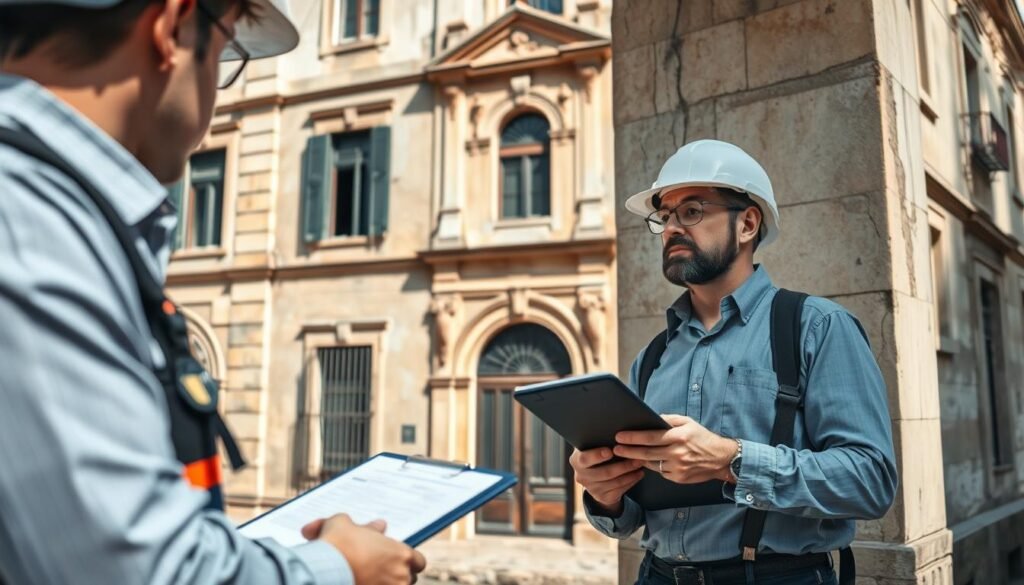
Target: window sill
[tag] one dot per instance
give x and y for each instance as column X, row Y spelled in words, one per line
column 197, row 253
column 947, row 347
column 927, row 107
column 341, row 242
column 353, row 46
column 524, row 222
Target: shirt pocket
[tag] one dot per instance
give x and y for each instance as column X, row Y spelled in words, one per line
column 749, row 408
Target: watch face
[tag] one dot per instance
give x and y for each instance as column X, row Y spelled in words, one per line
column 735, row 466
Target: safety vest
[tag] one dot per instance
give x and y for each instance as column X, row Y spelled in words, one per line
column 190, row 391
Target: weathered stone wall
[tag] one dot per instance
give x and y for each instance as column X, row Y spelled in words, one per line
column 818, row 91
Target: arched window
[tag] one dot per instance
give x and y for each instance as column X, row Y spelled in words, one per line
column 525, row 168
column 526, row 349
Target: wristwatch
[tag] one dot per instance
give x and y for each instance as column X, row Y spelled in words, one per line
column 737, row 460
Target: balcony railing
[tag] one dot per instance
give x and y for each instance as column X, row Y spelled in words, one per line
column 990, row 145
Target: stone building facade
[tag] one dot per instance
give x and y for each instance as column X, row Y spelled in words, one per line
column 890, row 130
column 390, row 228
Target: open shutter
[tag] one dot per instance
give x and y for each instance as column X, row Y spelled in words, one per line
column 176, row 195
column 380, row 178
column 317, row 166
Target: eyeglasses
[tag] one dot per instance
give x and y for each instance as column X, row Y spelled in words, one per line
column 233, row 58
column 687, row 213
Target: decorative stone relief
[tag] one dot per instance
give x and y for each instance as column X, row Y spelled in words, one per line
column 594, row 308
column 519, row 300
column 451, row 96
column 564, row 93
column 520, row 43
column 520, row 87
column 446, row 312
column 475, row 113
column 588, row 73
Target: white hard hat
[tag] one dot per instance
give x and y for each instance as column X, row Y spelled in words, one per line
column 270, row 33
column 713, row 163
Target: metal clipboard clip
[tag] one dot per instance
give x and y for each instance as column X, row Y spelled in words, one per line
column 457, row 468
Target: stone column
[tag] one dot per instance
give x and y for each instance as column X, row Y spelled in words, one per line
column 449, row 230
column 824, row 94
column 248, row 304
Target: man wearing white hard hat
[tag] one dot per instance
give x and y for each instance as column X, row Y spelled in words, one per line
column 780, row 433
column 109, row 429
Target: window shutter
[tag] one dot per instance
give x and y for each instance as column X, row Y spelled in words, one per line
column 380, row 178
column 317, row 166
column 176, row 195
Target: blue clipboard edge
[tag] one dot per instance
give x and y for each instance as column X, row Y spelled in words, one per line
column 506, row 481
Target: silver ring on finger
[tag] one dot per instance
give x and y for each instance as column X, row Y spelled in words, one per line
column 661, row 466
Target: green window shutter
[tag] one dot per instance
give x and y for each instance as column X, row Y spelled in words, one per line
column 317, row 166
column 176, row 195
column 380, row 178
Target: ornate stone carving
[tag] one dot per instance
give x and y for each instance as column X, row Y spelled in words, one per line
column 520, row 42
column 520, row 87
column 446, row 312
column 588, row 73
column 475, row 113
column 519, row 300
column 452, row 93
column 593, row 306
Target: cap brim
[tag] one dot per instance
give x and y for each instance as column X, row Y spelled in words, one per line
column 268, row 34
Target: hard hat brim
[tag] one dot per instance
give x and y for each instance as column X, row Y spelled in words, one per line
column 269, row 33
column 641, row 204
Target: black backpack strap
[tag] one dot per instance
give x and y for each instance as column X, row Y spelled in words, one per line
column 787, row 308
column 651, row 361
column 785, row 335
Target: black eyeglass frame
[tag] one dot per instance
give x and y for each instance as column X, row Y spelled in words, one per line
column 657, row 226
column 237, row 47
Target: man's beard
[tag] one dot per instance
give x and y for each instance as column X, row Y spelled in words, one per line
column 701, row 267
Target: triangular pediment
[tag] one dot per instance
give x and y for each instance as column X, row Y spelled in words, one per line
column 522, row 33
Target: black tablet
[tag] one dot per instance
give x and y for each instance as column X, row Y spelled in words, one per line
column 587, row 411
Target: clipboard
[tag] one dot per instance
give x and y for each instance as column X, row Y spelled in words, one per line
column 422, row 496
column 588, row 410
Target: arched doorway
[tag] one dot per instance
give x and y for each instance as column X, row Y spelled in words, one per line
column 512, row 439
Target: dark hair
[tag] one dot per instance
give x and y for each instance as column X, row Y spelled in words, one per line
column 743, row 200
column 86, row 36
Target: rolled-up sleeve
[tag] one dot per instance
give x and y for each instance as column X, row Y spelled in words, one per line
column 850, row 472
column 91, row 491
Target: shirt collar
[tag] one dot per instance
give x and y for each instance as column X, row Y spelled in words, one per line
column 132, row 190
column 750, row 294
column 744, row 299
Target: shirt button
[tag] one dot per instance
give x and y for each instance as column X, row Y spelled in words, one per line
column 695, row 387
column 705, row 343
column 749, row 498
column 681, row 557
column 681, row 515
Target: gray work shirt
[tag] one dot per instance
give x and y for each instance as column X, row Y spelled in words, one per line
column 90, row 490
column 841, row 465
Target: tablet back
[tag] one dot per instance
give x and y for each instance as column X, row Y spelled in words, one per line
column 587, row 411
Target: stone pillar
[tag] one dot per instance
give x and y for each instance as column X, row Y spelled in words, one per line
column 249, row 301
column 449, row 222
column 824, row 94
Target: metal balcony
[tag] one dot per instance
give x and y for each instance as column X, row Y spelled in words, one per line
column 990, row 145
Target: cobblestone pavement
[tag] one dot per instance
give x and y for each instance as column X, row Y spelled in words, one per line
column 517, row 561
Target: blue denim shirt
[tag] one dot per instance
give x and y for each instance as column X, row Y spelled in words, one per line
column 841, row 465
